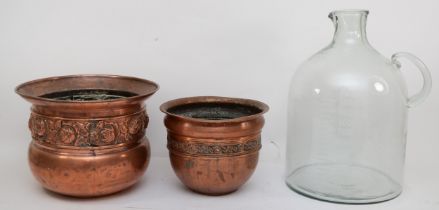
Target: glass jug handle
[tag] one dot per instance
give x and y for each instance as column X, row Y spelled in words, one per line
column 426, row 87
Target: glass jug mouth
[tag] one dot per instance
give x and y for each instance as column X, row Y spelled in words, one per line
column 347, row 11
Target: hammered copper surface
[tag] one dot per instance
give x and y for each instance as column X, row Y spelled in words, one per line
column 213, row 141
column 88, row 132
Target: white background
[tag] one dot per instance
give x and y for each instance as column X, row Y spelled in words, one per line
column 237, row 48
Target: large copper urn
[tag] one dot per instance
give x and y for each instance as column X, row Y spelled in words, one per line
column 88, row 132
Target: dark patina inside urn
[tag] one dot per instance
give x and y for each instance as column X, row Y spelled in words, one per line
column 88, row 95
column 214, row 111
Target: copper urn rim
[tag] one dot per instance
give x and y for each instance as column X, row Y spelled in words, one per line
column 144, row 89
column 262, row 107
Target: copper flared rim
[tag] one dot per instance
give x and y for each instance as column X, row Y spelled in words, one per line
column 150, row 88
column 214, row 99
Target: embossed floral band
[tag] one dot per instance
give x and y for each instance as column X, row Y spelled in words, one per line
column 214, row 148
column 88, row 132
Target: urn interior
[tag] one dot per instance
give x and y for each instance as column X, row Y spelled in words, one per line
column 214, row 110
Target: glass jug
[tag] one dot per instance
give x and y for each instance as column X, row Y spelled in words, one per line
column 347, row 118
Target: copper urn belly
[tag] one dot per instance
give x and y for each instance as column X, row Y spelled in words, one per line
column 88, row 132
column 213, row 141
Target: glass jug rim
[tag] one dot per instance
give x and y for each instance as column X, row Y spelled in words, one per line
column 348, row 11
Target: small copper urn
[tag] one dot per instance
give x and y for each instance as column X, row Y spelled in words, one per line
column 88, row 132
column 213, row 141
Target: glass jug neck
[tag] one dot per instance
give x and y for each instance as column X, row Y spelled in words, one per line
column 350, row 27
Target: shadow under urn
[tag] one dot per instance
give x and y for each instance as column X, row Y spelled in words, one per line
column 88, row 132
column 214, row 142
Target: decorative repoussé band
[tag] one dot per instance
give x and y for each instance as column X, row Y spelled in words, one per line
column 88, row 132
column 214, row 149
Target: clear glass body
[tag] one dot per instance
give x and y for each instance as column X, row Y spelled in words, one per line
column 347, row 118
